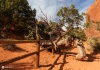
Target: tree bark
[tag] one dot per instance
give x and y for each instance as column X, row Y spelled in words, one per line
column 82, row 53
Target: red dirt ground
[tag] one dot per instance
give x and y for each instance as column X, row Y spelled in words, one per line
column 48, row 61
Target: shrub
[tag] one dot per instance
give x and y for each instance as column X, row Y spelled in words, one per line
column 10, row 47
column 94, row 43
column 98, row 28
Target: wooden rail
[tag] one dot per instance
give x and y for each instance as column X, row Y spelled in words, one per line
column 9, row 41
column 37, row 52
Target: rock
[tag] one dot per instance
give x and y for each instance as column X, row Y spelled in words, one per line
column 93, row 11
column 93, row 15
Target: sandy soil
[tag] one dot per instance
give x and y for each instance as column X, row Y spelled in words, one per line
column 48, row 61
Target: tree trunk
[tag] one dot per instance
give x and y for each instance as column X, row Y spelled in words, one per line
column 82, row 53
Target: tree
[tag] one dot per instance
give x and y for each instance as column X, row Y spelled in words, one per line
column 43, row 30
column 51, row 29
column 16, row 16
column 70, row 18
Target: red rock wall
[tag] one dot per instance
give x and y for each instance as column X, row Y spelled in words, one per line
column 94, row 11
column 93, row 15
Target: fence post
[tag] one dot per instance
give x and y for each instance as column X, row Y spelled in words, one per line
column 53, row 50
column 38, row 51
column 0, row 67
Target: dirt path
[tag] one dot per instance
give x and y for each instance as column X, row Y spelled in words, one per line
column 63, row 61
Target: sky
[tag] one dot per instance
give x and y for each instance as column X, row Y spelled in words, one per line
column 50, row 7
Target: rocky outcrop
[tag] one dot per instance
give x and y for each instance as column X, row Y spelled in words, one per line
column 93, row 11
column 92, row 16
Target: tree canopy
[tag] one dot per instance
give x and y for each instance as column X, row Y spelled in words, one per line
column 16, row 16
column 68, row 17
column 71, row 19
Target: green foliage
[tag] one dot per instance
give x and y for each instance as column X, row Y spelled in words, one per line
column 98, row 28
column 45, row 30
column 16, row 14
column 78, row 33
column 81, row 35
column 94, row 43
column 88, row 25
column 71, row 17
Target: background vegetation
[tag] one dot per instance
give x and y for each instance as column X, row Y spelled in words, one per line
column 18, row 18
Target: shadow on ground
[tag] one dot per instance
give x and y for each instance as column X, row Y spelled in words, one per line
column 27, row 66
column 65, row 54
column 91, row 58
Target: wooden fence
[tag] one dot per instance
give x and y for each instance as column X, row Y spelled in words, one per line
column 37, row 52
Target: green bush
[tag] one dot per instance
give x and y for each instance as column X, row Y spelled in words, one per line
column 10, row 47
column 78, row 33
column 98, row 28
column 94, row 43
